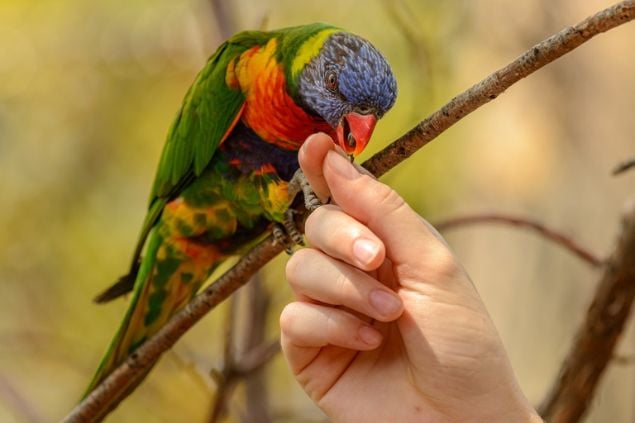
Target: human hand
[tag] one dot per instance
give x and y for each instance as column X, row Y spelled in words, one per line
column 387, row 325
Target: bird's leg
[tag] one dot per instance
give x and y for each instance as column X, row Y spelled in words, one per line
column 288, row 231
column 291, row 228
column 298, row 184
column 279, row 235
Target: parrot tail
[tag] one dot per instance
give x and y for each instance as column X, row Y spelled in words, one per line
column 172, row 271
column 123, row 285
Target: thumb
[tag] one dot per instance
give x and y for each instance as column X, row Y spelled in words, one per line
column 408, row 238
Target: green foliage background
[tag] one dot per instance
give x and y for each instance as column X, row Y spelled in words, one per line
column 88, row 90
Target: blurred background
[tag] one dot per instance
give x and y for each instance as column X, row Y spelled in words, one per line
column 88, row 90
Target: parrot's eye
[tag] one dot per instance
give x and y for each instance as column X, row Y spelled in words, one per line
column 330, row 80
column 364, row 109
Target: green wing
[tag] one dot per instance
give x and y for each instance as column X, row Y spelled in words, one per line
column 210, row 110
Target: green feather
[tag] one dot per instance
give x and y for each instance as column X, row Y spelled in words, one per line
column 208, row 110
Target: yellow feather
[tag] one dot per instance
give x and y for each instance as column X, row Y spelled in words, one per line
column 255, row 63
column 309, row 49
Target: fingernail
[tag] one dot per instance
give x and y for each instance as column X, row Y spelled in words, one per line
column 365, row 250
column 385, row 303
column 369, row 335
column 341, row 166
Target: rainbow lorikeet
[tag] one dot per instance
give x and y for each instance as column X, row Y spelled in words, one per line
column 230, row 153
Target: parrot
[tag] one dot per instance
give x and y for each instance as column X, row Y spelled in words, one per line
column 223, row 177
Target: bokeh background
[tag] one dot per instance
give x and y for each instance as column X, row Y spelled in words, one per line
column 88, row 90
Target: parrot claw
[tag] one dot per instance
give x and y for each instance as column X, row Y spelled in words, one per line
column 291, row 228
column 287, row 233
column 299, row 183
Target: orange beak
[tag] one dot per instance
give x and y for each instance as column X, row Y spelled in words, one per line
column 354, row 131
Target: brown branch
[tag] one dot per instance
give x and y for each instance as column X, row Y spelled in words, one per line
column 111, row 389
column 550, row 234
column 491, row 87
column 592, row 348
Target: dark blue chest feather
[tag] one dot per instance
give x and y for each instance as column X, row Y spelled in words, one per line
column 247, row 152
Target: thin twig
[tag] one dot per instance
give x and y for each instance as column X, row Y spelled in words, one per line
column 16, row 403
column 223, row 17
column 623, row 167
column 110, row 390
column 223, row 377
column 256, row 398
column 559, row 238
column 250, row 363
column 623, row 360
column 593, row 346
column 244, row 358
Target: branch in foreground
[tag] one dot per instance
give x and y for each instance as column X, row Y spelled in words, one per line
column 113, row 388
column 595, row 341
column 552, row 235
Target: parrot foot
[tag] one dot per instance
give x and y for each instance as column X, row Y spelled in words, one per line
column 287, row 232
column 299, row 183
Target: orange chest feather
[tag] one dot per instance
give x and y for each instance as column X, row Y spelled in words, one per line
column 269, row 110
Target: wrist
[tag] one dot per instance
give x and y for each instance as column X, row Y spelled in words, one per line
column 507, row 405
column 528, row 415
column 522, row 413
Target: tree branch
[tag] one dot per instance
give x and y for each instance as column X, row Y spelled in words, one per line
column 593, row 346
column 491, row 87
column 114, row 388
column 550, row 234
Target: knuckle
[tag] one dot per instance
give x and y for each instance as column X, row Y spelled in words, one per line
column 441, row 258
column 387, row 199
column 312, row 221
column 438, row 263
column 331, row 323
column 296, row 264
column 317, row 218
column 341, row 286
column 288, row 317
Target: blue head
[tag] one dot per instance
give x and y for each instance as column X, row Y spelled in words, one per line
column 350, row 85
